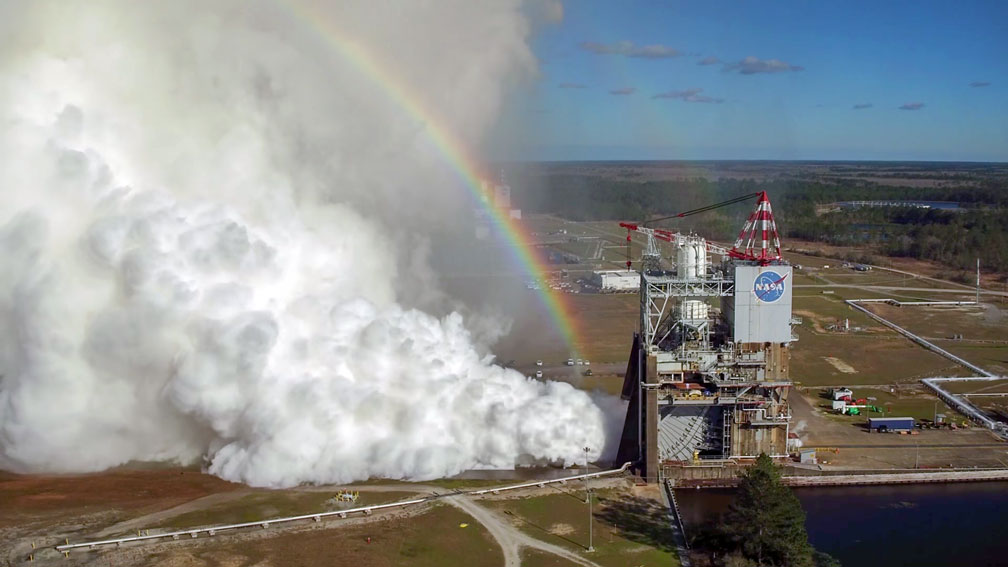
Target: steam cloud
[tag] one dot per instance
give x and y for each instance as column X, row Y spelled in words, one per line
column 205, row 225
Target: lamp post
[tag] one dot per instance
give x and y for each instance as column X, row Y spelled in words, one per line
column 588, row 500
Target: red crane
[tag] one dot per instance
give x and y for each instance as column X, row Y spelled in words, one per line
column 758, row 241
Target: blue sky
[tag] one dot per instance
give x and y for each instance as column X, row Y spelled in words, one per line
column 624, row 80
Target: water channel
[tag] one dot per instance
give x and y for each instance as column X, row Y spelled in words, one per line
column 919, row 525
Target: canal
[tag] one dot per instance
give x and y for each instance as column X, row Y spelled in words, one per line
column 918, row 525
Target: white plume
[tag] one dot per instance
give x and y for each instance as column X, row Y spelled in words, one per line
column 204, row 208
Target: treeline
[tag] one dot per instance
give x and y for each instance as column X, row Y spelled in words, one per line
column 954, row 238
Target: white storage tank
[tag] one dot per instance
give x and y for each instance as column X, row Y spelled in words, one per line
column 691, row 260
column 694, row 310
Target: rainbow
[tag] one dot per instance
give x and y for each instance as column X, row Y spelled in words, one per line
column 518, row 241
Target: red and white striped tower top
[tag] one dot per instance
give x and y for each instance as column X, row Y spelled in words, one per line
column 758, row 240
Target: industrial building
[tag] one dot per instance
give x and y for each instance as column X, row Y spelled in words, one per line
column 707, row 379
column 616, row 280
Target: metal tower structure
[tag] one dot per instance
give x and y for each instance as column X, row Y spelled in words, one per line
column 759, row 240
column 707, row 375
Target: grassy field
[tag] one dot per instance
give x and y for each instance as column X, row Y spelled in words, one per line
column 607, row 323
column 533, row 558
column 847, row 359
column 974, row 323
column 434, row 539
column 993, row 358
column 627, row 530
column 272, row 504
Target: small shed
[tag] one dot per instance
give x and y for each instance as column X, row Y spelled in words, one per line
column 807, row 456
column 883, row 424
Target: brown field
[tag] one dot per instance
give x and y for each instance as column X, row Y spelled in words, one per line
column 33, row 499
column 272, row 504
column 988, row 322
column 433, row 539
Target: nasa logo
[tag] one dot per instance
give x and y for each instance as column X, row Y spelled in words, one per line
column 769, row 286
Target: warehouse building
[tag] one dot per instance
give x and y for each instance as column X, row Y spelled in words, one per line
column 616, row 280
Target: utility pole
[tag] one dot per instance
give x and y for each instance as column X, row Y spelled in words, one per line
column 978, row 283
column 588, row 499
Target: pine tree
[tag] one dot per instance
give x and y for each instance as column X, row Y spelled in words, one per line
column 766, row 522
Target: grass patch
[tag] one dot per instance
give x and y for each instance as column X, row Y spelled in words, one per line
column 627, row 530
column 536, row 558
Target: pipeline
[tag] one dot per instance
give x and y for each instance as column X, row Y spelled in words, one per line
column 961, row 405
column 366, row 510
column 932, row 347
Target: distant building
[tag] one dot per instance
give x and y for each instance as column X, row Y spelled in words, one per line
column 616, row 280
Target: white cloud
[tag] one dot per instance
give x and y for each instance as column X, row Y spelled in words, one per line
column 629, row 49
column 689, row 95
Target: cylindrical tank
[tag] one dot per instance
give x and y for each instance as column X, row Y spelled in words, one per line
column 694, row 310
column 691, row 259
column 701, row 258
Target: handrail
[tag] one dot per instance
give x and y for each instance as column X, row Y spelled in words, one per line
column 317, row 516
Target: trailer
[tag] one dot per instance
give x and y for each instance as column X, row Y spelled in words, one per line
column 884, row 424
column 842, row 394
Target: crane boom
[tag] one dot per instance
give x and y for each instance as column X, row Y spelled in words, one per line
column 758, row 240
